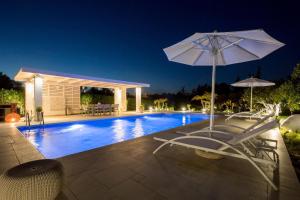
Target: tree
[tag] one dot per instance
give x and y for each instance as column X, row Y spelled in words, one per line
column 7, row 83
column 288, row 93
column 86, row 99
column 263, row 97
column 229, row 105
column 182, row 91
column 13, row 96
column 288, row 96
column 204, row 99
column 295, row 77
column 296, row 73
column 161, row 103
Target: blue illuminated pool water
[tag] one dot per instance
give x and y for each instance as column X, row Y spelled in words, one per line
column 61, row 139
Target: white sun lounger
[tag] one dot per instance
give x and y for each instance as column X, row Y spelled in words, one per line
column 241, row 129
column 250, row 115
column 230, row 144
column 256, row 124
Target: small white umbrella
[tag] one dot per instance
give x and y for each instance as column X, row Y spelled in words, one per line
column 252, row 82
column 222, row 48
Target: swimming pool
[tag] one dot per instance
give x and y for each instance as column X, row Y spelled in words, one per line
column 61, row 139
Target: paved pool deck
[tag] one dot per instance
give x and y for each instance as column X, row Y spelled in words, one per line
column 129, row 170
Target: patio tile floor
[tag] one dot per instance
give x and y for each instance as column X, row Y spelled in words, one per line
column 129, row 170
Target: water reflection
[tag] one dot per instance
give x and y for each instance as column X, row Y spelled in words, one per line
column 119, row 127
column 72, row 127
column 138, row 130
column 183, row 120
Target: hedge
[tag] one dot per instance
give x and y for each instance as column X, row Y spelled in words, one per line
column 13, row 96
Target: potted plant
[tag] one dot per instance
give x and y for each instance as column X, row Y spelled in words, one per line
column 141, row 109
column 39, row 111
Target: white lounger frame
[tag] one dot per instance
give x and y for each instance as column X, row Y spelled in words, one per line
column 243, row 130
column 247, row 115
column 256, row 124
column 253, row 159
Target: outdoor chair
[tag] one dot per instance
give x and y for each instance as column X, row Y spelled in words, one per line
column 91, row 109
column 115, row 109
column 244, row 146
column 98, row 108
column 105, row 109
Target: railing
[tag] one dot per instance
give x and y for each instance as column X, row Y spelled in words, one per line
column 27, row 119
column 40, row 118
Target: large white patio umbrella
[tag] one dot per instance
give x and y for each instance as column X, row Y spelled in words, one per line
column 220, row 49
column 252, row 82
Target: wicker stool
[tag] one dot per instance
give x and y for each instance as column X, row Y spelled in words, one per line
column 40, row 179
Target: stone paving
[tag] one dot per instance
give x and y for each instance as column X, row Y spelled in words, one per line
column 129, row 170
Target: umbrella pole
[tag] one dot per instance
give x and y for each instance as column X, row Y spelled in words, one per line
column 251, row 99
column 212, row 100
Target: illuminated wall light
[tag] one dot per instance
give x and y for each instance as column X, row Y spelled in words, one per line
column 38, row 80
column 183, row 109
column 12, row 117
column 29, row 87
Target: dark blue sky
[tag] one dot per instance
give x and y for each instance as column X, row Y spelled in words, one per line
column 124, row 39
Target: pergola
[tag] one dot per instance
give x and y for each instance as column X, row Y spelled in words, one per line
column 55, row 92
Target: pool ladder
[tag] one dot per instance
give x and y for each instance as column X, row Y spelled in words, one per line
column 42, row 121
column 28, row 119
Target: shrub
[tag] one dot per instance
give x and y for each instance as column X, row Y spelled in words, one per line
column 86, row 99
column 291, row 138
column 13, row 96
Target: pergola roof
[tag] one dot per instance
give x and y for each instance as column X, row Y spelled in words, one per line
column 26, row 74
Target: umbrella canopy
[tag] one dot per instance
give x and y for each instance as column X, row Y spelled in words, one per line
column 222, row 48
column 252, row 82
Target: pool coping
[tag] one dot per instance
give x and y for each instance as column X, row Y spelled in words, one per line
column 15, row 155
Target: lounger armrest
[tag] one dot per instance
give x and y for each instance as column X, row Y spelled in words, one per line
column 237, row 115
column 241, row 113
column 212, row 132
column 227, row 125
column 268, row 143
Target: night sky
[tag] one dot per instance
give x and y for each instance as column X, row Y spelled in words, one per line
column 124, row 39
